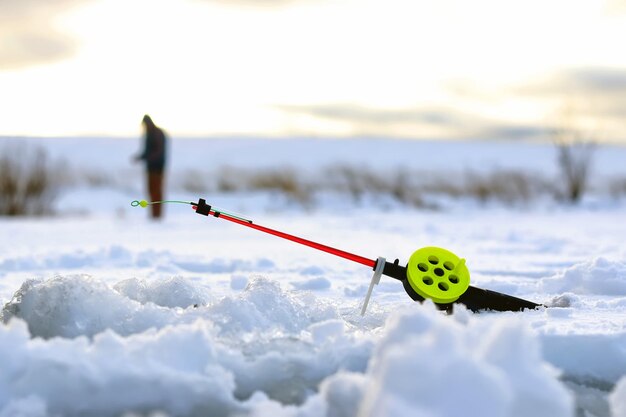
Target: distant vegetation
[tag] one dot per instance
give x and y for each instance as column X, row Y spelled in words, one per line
column 401, row 186
column 28, row 180
column 575, row 148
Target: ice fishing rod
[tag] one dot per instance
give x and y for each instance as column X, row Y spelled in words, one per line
column 431, row 272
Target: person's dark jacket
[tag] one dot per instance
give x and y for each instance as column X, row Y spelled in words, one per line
column 154, row 150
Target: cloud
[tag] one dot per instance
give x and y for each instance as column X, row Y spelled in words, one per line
column 26, row 48
column 591, row 80
column 513, row 132
column 259, row 3
column 366, row 115
column 28, row 32
column 595, row 96
column 416, row 122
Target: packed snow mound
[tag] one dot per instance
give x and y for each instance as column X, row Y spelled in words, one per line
column 429, row 365
column 175, row 370
column 264, row 306
column 599, row 276
column 283, row 353
column 423, row 363
column 191, row 366
column 80, row 305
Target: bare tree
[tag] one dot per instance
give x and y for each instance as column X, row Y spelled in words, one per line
column 575, row 149
column 28, row 181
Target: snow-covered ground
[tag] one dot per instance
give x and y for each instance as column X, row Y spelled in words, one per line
column 108, row 313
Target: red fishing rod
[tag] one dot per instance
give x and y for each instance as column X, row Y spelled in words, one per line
column 431, row 272
column 202, row 208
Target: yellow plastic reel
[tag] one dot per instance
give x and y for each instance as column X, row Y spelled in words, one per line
column 438, row 274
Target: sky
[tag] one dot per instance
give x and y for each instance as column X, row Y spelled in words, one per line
column 446, row 69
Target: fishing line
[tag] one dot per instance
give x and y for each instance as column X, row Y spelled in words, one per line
column 144, row 203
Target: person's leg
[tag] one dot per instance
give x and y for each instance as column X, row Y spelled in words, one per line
column 156, row 192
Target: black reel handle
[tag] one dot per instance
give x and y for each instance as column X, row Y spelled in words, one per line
column 475, row 299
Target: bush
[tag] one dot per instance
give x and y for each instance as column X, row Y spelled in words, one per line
column 355, row 181
column 507, row 186
column 285, row 181
column 28, row 181
column 575, row 146
column 617, row 187
column 574, row 161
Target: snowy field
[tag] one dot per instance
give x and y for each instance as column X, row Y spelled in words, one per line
column 108, row 314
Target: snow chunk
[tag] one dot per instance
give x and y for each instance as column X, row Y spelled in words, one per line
column 617, row 398
column 427, row 364
column 340, row 395
column 343, row 393
column 215, row 359
column 175, row 370
column 83, row 306
column 491, row 367
column 80, row 306
column 172, row 292
column 599, row 276
column 264, row 306
column 598, row 357
column 327, row 330
column 566, row 300
column 186, row 369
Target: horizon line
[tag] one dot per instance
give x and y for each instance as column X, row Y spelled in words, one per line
column 364, row 137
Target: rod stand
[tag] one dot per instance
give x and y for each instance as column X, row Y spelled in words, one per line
column 378, row 272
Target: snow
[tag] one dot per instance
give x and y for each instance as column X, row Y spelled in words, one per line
column 597, row 276
column 618, row 399
column 108, row 314
column 78, row 377
column 431, row 364
column 184, row 361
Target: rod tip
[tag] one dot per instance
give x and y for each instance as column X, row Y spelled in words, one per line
column 142, row 203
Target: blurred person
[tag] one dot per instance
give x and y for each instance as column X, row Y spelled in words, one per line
column 153, row 154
